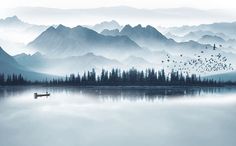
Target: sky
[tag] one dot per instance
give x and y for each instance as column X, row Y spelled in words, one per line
column 150, row 4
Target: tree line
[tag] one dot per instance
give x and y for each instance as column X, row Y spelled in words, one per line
column 117, row 77
column 133, row 77
column 13, row 79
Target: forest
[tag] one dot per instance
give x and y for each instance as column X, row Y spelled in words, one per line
column 116, row 77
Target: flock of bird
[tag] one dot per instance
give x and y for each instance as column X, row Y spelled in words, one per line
column 201, row 62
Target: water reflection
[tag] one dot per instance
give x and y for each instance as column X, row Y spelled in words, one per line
column 12, row 91
column 81, row 116
column 119, row 93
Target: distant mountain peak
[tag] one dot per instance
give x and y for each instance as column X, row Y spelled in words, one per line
column 14, row 17
column 139, row 26
column 140, row 31
column 79, row 40
column 127, row 27
column 5, row 57
column 62, row 28
column 110, row 22
column 11, row 20
column 113, row 32
column 90, row 54
column 51, row 28
column 113, row 21
column 38, row 54
column 211, row 39
column 150, row 27
column 79, row 27
column 110, row 25
column 84, row 30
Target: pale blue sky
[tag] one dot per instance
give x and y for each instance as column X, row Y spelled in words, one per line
column 202, row 4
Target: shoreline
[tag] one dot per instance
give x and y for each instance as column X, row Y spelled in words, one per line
column 123, row 87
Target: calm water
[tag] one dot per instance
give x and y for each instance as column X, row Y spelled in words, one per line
column 118, row 117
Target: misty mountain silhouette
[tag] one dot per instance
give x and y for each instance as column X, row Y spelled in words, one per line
column 150, row 37
column 38, row 62
column 228, row 76
column 112, row 32
column 225, row 28
column 15, row 33
column 110, row 25
column 208, row 39
column 8, row 65
column 14, row 20
column 146, row 36
column 17, row 23
column 139, row 32
column 65, row 41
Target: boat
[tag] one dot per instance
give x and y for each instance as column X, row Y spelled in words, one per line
column 36, row 95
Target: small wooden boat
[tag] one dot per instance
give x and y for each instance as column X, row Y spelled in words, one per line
column 36, row 95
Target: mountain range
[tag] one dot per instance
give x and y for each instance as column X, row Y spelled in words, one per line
column 15, row 34
column 64, row 41
column 138, row 41
column 70, row 50
column 220, row 28
column 63, row 66
column 195, row 35
column 109, row 25
column 74, row 64
column 11, row 26
column 141, row 35
column 150, row 38
column 229, row 76
column 222, row 33
column 9, row 66
column 208, row 39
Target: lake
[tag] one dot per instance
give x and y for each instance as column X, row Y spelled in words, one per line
column 116, row 116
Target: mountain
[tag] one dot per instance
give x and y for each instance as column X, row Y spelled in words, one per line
column 67, row 65
column 36, row 62
column 110, row 25
column 12, row 47
column 232, row 43
column 149, row 37
column 208, row 39
column 10, row 66
column 112, row 32
column 15, row 34
column 139, row 33
column 14, row 26
column 64, row 41
column 6, row 59
column 229, row 76
column 11, row 21
column 194, row 35
column 228, row 44
column 227, row 28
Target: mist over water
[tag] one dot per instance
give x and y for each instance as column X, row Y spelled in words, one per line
column 117, row 116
